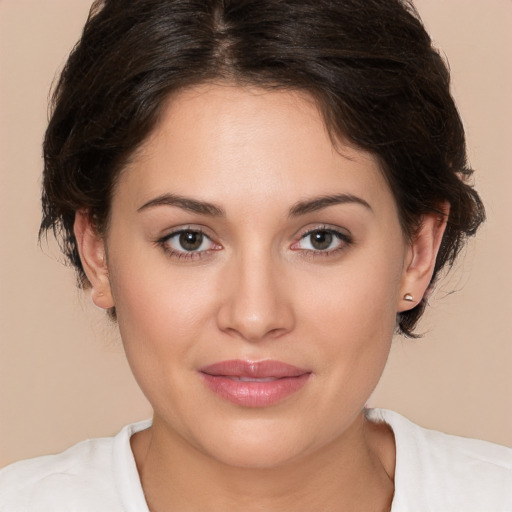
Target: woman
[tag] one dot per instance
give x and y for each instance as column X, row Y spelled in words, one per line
column 260, row 193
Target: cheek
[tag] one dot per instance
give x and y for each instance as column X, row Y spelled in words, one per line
column 351, row 316
column 353, row 334
column 162, row 322
column 357, row 297
column 159, row 306
column 161, row 312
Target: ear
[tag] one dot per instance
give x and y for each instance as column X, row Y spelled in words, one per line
column 91, row 247
column 421, row 258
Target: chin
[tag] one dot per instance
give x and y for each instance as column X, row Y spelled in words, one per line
column 260, row 444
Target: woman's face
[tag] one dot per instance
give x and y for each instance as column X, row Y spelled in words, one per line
column 239, row 235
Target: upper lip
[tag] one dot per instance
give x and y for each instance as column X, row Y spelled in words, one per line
column 253, row 369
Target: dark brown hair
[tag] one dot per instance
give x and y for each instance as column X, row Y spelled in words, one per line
column 369, row 64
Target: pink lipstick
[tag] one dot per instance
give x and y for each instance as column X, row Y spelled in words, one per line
column 254, row 384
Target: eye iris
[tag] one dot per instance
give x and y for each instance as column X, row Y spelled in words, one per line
column 321, row 240
column 190, row 240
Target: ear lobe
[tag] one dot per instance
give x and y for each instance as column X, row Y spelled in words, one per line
column 91, row 247
column 421, row 258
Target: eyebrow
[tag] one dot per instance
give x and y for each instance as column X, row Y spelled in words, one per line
column 319, row 203
column 185, row 203
column 298, row 209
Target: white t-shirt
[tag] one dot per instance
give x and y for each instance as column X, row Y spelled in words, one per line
column 435, row 472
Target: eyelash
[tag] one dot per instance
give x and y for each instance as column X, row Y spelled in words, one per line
column 184, row 254
column 344, row 241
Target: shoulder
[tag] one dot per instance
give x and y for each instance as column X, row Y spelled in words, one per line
column 44, row 482
column 82, row 478
column 438, row 471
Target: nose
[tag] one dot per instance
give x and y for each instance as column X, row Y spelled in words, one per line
column 255, row 305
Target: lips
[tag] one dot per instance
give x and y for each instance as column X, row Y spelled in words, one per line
column 254, row 384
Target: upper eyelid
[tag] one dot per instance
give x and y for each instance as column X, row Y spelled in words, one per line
column 178, row 254
column 345, row 239
column 337, row 230
column 177, row 230
column 324, row 227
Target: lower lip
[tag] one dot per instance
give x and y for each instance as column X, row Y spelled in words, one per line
column 254, row 393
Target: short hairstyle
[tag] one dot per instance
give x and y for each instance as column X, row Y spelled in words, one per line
column 369, row 64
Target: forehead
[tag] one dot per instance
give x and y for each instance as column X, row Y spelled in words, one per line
column 222, row 141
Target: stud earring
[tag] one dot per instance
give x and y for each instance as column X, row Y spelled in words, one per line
column 408, row 297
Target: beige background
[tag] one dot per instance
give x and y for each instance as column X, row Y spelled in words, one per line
column 63, row 377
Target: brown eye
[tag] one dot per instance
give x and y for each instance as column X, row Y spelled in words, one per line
column 321, row 240
column 190, row 240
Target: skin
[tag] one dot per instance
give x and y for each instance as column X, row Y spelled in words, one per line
column 257, row 289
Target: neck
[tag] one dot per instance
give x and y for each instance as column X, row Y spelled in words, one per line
column 353, row 472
